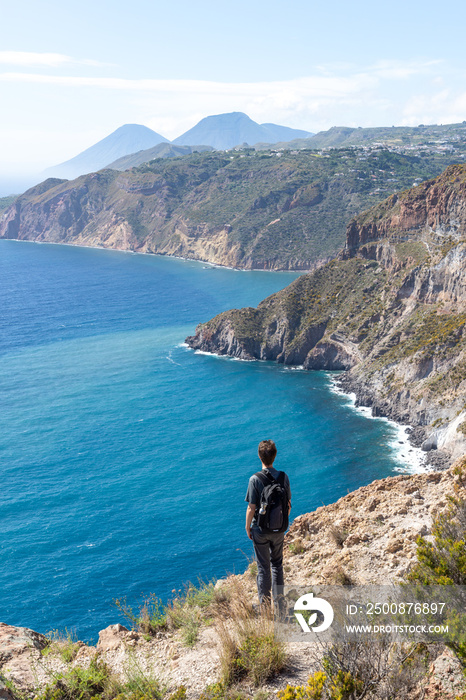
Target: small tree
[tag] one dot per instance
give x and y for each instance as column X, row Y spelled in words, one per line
column 443, row 563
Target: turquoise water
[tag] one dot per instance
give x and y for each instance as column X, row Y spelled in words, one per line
column 124, row 455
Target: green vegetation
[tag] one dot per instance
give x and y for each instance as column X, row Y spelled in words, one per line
column 249, row 650
column 420, row 139
column 151, row 617
column 64, row 644
column 79, row 683
column 432, row 332
column 5, row 202
column 220, row 691
column 443, row 562
column 97, row 682
column 375, row 668
column 186, row 612
column 297, row 546
column 282, row 210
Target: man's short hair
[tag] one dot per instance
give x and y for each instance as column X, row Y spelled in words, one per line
column 267, row 452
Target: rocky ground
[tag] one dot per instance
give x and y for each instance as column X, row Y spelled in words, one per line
column 368, row 536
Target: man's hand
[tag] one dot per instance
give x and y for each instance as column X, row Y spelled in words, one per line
column 250, row 510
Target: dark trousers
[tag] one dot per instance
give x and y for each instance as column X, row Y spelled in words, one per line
column 268, row 548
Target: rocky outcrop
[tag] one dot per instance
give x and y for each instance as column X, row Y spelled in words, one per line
column 437, row 205
column 369, row 536
column 20, row 648
column 391, row 310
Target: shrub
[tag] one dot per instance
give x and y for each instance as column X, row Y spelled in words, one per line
column 337, row 686
column 313, row 690
column 96, row 682
column 185, row 612
column 139, row 684
column 195, row 607
column 297, row 547
column 78, row 683
column 151, row 617
column 249, row 648
column 338, row 535
column 64, row 644
column 219, row 691
column 443, row 561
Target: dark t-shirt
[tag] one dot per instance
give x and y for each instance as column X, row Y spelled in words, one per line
column 255, row 488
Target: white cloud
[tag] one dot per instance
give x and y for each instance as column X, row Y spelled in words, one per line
column 443, row 107
column 315, row 84
column 403, row 70
column 50, row 60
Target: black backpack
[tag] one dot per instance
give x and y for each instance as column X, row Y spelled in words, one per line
column 272, row 515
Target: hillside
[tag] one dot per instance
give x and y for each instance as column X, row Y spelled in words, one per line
column 6, row 202
column 224, row 131
column 127, row 139
column 406, row 138
column 245, row 209
column 391, row 311
column 162, row 150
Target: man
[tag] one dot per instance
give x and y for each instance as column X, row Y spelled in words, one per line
column 268, row 547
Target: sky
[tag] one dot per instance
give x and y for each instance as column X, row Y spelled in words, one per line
column 71, row 73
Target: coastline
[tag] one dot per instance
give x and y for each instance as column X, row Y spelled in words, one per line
column 130, row 251
column 415, row 435
column 402, row 443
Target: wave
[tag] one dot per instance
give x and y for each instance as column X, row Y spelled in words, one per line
column 413, row 458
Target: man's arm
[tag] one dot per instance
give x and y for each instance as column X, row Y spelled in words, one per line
column 250, row 510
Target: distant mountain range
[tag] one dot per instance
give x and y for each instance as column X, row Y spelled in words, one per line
column 127, row 139
column 224, row 131
column 132, row 144
column 221, row 132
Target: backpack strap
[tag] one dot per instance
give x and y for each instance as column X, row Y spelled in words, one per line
column 264, row 474
column 265, row 477
column 281, row 479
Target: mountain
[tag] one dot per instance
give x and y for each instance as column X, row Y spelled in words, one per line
column 162, row 150
column 127, row 139
column 262, row 210
column 391, row 311
column 224, row 131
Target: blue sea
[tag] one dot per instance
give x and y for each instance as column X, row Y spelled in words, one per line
column 124, row 455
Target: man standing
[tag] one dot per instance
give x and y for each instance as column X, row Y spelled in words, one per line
column 268, row 545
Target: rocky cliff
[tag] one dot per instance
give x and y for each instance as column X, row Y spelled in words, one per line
column 241, row 209
column 391, row 310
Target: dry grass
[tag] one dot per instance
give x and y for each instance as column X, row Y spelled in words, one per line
column 248, row 646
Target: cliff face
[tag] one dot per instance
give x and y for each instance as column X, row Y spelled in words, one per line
column 391, row 310
column 249, row 210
